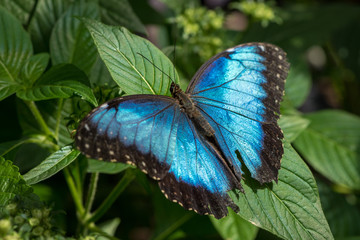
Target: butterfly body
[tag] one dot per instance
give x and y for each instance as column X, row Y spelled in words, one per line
column 190, row 142
column 188, row 106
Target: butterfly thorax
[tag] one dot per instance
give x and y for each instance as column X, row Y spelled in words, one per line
column 189, row 107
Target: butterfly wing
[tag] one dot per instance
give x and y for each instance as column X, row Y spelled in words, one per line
column 239, row 92
column 138, row 129
column 198, row 179
column 152, row 133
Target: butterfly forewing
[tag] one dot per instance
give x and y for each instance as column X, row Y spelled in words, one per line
column 239, row 92
column 139, row 130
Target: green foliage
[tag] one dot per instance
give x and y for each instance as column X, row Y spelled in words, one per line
column 265, row 12
column 130, row 58
column 27, row 218
column 11, row 182
column 323, row 145
column 59, row 59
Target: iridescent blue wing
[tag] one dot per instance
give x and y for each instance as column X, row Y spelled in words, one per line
column 152, row 133
column 138, row 129
column 239, row 92
column 198, row 178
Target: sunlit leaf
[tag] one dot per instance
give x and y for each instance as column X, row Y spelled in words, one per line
column 331, row 145
column 131, row 60
column 51, row 165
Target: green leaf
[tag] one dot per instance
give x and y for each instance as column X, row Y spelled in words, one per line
column 290, row 209
column 51, row 165
column 11, row 182
column 331, row 145
column 49, row 109
column 6, row 147
column 46, row 14
column 99, row 75
column 109, row 227
column 61, row 81
column 21, row 9
column 341, row 212
column 235, row 227
column 106, row 167
column 7, row 89
column 298, row 83
column 15, row 49
column 119, row 49
column 120, row 12
column 292, row 126
column 70, row 41
column 34, row 67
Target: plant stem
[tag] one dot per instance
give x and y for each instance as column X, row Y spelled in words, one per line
column 119, row 188
column 35, row 111
column 91, row 193
column 58, row 117
column 73, row 191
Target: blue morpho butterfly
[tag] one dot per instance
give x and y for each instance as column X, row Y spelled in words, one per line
column 189, row 142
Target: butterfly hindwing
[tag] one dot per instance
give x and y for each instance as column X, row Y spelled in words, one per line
column 239, row 92
column 198, row 178
column 138, row 129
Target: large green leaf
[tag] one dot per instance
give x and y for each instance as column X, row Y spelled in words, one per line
column 61, row 81
column 21, row 9
column 331, row 145
column 46, row 14
column 11, row 182
column 51, row 165
column 235, row 227
column 15, row 49
column 70, row 41
column 99, row 75
column 34, row 67
column 341, row 212
column 119, row 12
column 298, row 83
column 290, row 209
column 120, row 50
column 292, row 126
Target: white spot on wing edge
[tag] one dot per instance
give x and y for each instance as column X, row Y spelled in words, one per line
column 230, row 50
column 262, row 47
column 87, row 127
column 105, row 105
column 87, row 145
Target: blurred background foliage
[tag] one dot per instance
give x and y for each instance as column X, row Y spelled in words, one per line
column 322, row 40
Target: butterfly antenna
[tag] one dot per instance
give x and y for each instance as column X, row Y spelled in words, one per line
column 174, row 60
column 156, row 66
